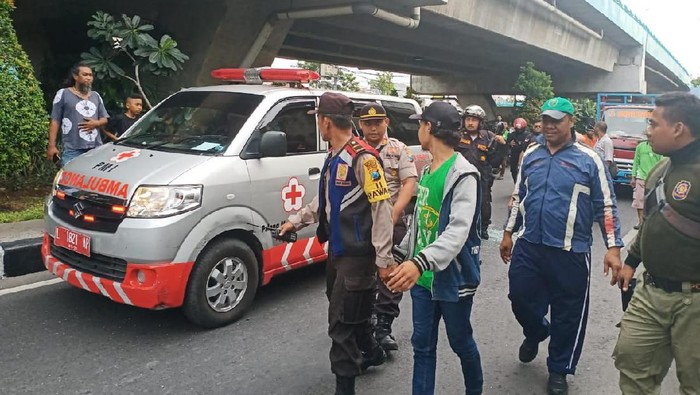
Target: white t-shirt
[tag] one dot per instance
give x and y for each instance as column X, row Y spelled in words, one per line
column 604, row 148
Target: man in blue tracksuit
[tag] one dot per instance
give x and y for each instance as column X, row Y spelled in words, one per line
column 562, row 188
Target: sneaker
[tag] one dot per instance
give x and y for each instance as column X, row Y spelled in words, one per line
column 636, row 227
column 484, row 234
column 528, row 351
column 556, row 385
column 375, row 357
column 499, row 178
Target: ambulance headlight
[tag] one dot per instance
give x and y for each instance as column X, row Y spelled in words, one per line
column 56, row 179
column 164, row 201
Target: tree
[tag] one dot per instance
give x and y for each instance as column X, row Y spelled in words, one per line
column 23, row 119
column 695, row 82
column 585, row 114
column 126, row 44
column 384, row 83
column 537, row 87
column 341, row 81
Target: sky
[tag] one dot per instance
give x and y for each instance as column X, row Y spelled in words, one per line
column 675, row 23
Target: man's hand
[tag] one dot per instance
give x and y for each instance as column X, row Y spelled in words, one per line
column 499, row 139
column 612, row 261
column 89, row 124
column 506, row 247
column 287, row 227
column 395, row 215
column 385, row 272
column 404, row 277
column 626, row 275
column 51, row 151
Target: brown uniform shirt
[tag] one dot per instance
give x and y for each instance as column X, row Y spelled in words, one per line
column 382, row 226
column 398, row 164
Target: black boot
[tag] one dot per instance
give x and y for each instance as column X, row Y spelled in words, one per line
column 374, row 357
column 484, row 234
column 344, row 385
column 383, row 334
column 556, row 385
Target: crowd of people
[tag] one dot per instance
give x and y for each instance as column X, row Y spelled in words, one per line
column 563, row 185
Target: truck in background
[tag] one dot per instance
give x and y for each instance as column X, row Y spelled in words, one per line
column 626, row 116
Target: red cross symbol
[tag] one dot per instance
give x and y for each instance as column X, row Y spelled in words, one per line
column 293, row 195
column 122, row 156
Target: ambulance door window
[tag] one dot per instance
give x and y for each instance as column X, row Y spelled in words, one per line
column 400, row 126
column 293, row 119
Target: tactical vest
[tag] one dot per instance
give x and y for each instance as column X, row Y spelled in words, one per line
column 349, row 228
column 658, row 202
column 477, row 151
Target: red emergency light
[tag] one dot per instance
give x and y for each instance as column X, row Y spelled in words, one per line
column 260, row 75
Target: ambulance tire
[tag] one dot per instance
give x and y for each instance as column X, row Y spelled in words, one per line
column 196, row 307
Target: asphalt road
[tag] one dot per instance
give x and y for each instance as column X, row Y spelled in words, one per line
column 61, row 340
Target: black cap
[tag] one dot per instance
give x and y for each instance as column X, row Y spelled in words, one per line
column 331, row 103
column 372, row 111
column 442, row 115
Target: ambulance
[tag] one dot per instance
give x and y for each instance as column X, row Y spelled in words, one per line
column 182, row 210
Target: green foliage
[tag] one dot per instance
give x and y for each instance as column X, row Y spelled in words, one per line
column 537, row 87
column 34, row 210
column 126, row 44
column 585, row 114
column 342, row 81
column 695, row 82
column 23, row 119
column 384, row 83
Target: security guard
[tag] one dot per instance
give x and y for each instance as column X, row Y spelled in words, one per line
column 401, row 176
column 477, row 146
column 354, row 216
column 662, row 320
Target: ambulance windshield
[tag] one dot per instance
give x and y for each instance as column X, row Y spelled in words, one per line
column 193, row 122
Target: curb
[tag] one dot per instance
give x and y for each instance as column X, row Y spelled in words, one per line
column 21, row 257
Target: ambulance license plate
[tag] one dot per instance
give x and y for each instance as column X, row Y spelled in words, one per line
column 71, row 240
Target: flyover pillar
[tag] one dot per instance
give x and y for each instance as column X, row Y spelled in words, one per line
column 244, row 36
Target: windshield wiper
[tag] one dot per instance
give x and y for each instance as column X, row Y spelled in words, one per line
column 130, row 138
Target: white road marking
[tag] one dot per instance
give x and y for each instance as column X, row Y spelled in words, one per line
column 27, row 287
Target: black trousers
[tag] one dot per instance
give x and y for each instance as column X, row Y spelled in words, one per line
column 388, row 302
column 486, row 186
column 350, row 285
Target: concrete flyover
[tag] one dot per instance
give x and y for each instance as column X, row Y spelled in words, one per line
column 471, row 48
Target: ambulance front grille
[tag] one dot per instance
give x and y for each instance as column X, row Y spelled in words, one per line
column 98, row 265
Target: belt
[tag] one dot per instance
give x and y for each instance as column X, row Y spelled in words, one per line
column 668, row 285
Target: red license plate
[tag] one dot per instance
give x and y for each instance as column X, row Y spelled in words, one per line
column 72, row 240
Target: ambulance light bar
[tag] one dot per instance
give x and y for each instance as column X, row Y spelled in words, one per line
column 260, row 75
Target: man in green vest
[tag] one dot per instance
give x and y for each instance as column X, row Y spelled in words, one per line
column 662, row 320
column 644, row 160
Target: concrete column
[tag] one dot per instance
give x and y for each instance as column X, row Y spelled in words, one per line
column 243, row 37
column 485, row 101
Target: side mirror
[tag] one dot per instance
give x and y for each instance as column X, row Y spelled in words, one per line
column 273, row 144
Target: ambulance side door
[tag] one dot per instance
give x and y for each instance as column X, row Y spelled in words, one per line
column 281, row 186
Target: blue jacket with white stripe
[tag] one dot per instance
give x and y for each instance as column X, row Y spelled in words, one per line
column 560, row 195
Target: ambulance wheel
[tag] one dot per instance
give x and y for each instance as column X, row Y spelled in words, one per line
column 222, row 284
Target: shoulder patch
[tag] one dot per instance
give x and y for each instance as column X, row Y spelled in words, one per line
column 681, row 190
column 375, row 186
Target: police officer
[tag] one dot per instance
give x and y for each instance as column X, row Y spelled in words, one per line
column 401, row 175
column 478, row 147
column 662, row 320
column 354, row 216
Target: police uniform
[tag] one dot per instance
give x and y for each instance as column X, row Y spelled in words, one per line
column 398, row 165
column 478, row 152
column 354, row 217
column 662, row 320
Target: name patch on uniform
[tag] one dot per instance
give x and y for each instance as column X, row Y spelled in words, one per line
column 375, row 185
column 342, row 173
column 680, row 192
column 466, row 141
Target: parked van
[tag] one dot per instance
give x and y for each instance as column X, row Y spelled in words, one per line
column 181, row 210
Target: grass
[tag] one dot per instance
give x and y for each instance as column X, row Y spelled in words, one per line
column 24, row 205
